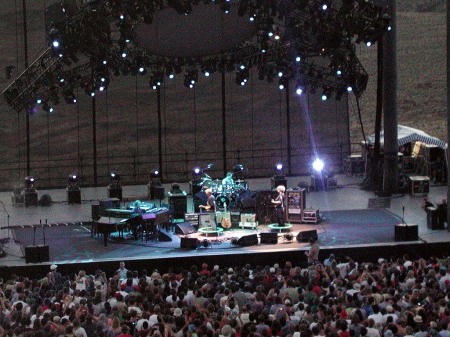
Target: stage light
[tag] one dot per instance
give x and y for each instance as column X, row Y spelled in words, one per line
column 298, row 59
column 29, row 182
column 114, row 177
column 156, row 80
column 225, row 6
column 318, row 165
column 279, row 169
column 349, row 89
column 155, row 173
column 38, row 101
column 73, row 179
column 196, row 173
column 288, row 237
column 190, row 78
column 205, row 243
column 47, row 107
column 282, row 83
column 327, row 90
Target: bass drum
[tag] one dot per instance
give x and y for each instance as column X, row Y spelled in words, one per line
column 221, row 200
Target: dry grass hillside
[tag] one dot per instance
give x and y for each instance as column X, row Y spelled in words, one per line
column 421, row 60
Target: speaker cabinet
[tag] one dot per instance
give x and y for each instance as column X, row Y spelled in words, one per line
column 278, row 180
column 178, row 204
column 189, row 243
column 37, row 254
column 235, row 219
column 248, row 240
column 406, row 233
column 157, row 192
column 73, row 196
column 269, row 237
column 31, row 254
column 115, row 192
column 44, row 253
column 95, row 212
column 31, row 199
column 304, row 236
column 184, row 228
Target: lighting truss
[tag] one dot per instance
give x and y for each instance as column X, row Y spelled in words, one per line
column 299, row 39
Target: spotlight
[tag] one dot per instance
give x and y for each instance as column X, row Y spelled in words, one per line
column 73, row 179
column 288, row 237
column 205, row 243
column 197, row 173
column 114, row 177
column 327, row 90
column 318, row 165
column 29, row 182
column 155, row 173
column 279, row 169
column 156, row 80
column 47, row 107
column 190, row 78
column 238, row 171
column 225, row 5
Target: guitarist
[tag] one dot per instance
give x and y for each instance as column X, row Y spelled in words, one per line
column 278, row 202
column 210, row 207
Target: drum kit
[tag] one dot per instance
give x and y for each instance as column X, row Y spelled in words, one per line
column 227, row 191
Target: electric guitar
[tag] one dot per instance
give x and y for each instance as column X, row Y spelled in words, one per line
column 226, row 223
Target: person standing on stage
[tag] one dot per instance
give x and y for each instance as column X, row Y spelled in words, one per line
column 210, row 207
column 279, row 205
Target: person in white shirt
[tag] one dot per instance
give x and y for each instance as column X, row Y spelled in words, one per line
column 377, row 316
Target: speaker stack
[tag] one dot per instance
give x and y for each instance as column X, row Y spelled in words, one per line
column 405, row 232
column 37, row 254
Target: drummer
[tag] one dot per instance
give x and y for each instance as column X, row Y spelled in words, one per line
column 228, row 182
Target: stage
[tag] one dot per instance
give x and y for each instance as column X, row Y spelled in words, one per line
column 352, row 222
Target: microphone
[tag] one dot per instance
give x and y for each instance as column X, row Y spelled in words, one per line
column 403, row 215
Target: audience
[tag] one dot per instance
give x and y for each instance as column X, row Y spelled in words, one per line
column 400, row 298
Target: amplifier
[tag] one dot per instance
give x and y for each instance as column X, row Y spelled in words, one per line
column 191, row 217
column 235, row 218
column 248, row 217
column 310, row 216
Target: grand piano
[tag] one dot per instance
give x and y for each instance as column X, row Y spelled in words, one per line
column 145, row 225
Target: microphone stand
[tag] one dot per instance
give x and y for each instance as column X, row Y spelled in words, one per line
column 8, row 218
column 403, row 216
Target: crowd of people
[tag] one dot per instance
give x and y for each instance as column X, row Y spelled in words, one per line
column 337, row 297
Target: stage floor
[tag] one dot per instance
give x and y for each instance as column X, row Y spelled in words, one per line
column 351, row 217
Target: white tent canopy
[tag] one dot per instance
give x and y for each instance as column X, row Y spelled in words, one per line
column 407, row 134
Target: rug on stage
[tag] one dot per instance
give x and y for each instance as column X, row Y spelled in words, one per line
column 73, row 242
column 363, row 226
